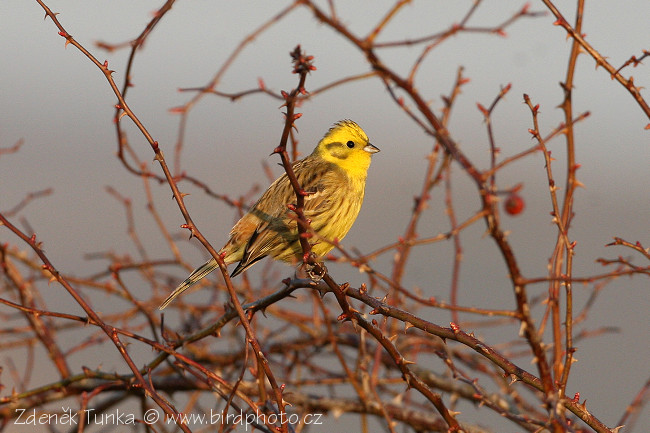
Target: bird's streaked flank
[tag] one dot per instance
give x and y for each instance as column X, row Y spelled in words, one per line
column 334, row 175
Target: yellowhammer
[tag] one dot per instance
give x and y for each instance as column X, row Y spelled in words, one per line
column 334, row 176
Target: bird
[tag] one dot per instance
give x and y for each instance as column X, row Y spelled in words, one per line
column 334, row 179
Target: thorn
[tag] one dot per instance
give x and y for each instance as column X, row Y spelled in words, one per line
column 559, row 22
column 177, row 110
column 576, row 398
column 343, row 317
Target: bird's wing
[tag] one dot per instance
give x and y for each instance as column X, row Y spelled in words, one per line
column 251, row 254
column 276, row 233
column 267, row 226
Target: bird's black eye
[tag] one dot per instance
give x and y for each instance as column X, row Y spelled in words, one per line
column 350, row 144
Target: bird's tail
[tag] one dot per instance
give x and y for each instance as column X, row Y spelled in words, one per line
column 194, row 277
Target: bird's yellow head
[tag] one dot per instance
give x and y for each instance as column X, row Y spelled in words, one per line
column 347, row 146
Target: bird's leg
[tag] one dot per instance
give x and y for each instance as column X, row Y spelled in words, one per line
column 315, row 271
column 311, row 271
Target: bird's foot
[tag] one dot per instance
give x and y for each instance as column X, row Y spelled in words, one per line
column 315, row 272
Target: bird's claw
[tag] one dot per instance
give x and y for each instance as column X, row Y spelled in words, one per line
column 311, row 271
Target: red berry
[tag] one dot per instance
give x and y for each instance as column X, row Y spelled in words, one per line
column 514, row 204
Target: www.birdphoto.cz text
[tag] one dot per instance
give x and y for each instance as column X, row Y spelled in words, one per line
column 153, row 416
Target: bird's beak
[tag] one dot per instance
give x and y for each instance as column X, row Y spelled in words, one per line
column 371, row 148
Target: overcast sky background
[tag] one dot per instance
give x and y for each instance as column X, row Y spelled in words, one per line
column 54, row 99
